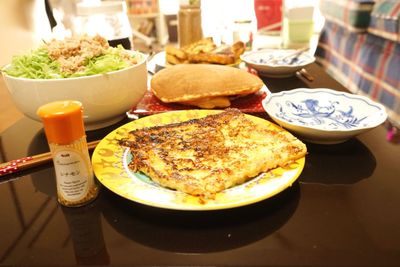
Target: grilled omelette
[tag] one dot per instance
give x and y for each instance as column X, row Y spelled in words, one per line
column 202, row 157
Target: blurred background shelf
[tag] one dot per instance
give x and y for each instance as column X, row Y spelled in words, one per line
column 148, row 23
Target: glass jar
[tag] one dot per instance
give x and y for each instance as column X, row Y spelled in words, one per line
column 242, row 31
column 106, row 18
column 189, row 22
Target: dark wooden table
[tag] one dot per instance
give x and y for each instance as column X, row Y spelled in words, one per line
column 342, row 211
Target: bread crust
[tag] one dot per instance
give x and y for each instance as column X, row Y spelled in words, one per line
column 192, row 82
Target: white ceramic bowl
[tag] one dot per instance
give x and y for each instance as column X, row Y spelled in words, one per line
column 105, row 97
column 323, row 116
column 269, row 62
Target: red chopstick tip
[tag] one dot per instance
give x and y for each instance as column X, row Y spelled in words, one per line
column 13, row 166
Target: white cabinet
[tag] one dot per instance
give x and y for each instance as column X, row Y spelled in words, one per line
column 147, row 22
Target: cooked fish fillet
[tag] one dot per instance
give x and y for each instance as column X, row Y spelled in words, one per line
column 204, row 156
column 223, row 54
column 205, row 51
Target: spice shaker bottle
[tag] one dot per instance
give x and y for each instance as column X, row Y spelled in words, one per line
column 106, row 18
column 189, row 22
column 64, row 128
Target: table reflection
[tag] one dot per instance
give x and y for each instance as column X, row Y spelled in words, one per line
column 86, row 234
column 199, row 231
column 325, row 164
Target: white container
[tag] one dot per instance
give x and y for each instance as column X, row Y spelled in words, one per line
column 106, row 97
column 298, row 25
column 106, row 18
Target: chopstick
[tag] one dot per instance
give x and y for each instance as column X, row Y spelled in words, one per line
column 304, row 73
column 292, row 56
column 18, row 165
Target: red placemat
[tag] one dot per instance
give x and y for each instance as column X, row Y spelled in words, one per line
column 150, row 104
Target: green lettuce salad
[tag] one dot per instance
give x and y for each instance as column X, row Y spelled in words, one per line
column 39, row 65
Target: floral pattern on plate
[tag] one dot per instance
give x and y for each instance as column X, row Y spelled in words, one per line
column 311, row 112
column 323, row 115
column 273, row 62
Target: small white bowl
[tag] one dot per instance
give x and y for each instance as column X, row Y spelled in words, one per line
column 269, row 62
column 324, row 116
column 105, row 97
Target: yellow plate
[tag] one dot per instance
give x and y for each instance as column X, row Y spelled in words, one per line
column 110, row 165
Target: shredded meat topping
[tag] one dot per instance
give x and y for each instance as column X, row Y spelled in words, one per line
column 72, row 53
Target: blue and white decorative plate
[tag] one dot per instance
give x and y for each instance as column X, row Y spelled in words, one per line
column 324, row 116
column 275, row 63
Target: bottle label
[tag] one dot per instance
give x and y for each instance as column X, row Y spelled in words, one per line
column 72, row 175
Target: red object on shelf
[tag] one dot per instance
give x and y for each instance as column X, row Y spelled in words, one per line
column 268, row 14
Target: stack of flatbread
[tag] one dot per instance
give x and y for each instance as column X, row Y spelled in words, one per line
column 203, row 85
column 205, row 51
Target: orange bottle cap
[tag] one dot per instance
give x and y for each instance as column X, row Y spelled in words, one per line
column 63, row 121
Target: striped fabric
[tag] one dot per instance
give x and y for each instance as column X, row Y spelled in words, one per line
column 352, row 14
column 366, row 64
column 385, row 20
